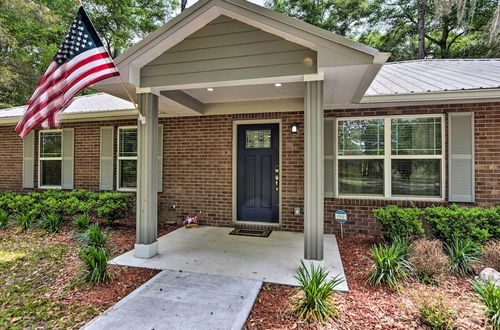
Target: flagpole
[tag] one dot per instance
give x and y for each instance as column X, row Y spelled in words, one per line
column 139, row 114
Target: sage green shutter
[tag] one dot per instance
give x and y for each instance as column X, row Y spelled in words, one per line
column 461, row 157
column 159, row 164
column 329, row 156
column 106, row 158
column 29, row 161
column 68, row 163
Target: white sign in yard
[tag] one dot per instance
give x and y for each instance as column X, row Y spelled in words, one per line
column 341, row 217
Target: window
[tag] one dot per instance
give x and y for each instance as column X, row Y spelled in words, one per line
column 127, row 158
column 390, row 157
column 50, row 160
column 258, row 139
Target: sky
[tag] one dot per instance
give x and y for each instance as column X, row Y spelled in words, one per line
column 259, row 2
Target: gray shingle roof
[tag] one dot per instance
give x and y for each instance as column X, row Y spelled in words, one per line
column 100, row 102
column 424, row 76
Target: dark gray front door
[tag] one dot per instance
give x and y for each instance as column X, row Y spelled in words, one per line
column 258, row 172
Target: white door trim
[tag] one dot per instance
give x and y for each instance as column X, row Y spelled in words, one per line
column 236, row 123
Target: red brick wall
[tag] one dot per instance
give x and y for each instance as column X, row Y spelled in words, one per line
column 198, row 164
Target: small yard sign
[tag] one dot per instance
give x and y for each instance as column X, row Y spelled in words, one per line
column 341, row 217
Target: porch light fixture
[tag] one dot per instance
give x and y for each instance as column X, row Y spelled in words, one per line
column 278, row 85
column 295, row 128
column 210, row 89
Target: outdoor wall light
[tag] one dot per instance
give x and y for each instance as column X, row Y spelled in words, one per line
column 295, row 128
column 278, row 85
column 210, row 89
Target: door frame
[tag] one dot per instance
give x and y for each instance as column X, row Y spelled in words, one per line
column 234, row 166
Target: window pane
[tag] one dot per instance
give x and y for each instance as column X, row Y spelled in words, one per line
column 128, row 142
column 258, row 139
column 361, row 177
column 416, row 136
column 361, row 137
column 50, row 144
column 50, row 171
column 128, row 173
column 416, row 177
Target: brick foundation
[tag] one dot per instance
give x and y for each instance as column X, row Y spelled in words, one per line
column 198, row 164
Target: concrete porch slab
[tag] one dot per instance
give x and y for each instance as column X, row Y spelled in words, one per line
column 212, row 250
column 182, row 300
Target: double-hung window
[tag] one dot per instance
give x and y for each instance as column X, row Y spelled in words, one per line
column 127, row 158
column 50, row 160
column 391, row 157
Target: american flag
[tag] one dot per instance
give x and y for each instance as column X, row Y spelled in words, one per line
column 80, row 61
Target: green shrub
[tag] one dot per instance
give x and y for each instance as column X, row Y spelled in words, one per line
column 24, row 221
column 475, row 223
column 82, row 221
column 437, row 315
column 400, row 222
column 51, row 222
column 95, row 260
column 94, row 236
column 4, row 219
column 462, row 253
column 317, row 301
column 112, row 206
column 391, row 264
column 489, row 294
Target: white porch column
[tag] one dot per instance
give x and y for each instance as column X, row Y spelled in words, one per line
column 313, row 171
column 147, row 134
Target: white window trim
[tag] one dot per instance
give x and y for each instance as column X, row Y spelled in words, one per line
column 120, row 158
column 40, row 158
column 387, row 157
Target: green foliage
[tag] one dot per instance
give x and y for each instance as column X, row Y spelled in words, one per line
column 317, row 302
column 51, row 222
column 96, row 264
column 4, row 219
column 83, row 220
column 462, row 253
column 437, row 315
column 400, row 222
column 391, row 264
column 475, row 223
column 94, row 236
column 24, row 221
column 489, row 294
column 112, row 206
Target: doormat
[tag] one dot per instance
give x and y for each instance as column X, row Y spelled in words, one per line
column 251, row 232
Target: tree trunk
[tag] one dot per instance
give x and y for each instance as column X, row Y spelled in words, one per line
column 183, row 5
column 421, row 29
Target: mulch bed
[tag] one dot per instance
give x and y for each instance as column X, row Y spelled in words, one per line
column 364, row 307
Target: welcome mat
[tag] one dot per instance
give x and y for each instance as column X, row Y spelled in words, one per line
column 251, row 232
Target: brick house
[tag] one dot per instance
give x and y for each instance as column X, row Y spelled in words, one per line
column 257, row 119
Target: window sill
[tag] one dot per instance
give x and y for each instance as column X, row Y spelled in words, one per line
column 395, row 198
column 49, row 187
column 127, row 189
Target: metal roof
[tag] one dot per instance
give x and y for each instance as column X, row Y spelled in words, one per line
column 100, row 102
column 424, row 76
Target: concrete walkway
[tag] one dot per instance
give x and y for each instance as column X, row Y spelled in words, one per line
column 182, row 300
column 212, row 250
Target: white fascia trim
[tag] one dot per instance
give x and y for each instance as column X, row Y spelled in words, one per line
column 432, row 96
column 320, row 76
column 84, row 116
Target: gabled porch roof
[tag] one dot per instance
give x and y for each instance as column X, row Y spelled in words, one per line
column 222, row 44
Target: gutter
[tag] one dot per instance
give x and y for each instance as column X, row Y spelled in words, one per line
column 433, row 96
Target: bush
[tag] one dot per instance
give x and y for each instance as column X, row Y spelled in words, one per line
column 96, row 264
column 82, row 221
column 4, row 219
column 489, row 294
column 437, row 314
column 400, row 222
column 94, row 236
column 474, row 223
column 391, row 264
column 112, row 206
column 491, row 255
column 317, row 302
column 24, row 221
column 462, row 253
column 428, row 259
column 51, row 222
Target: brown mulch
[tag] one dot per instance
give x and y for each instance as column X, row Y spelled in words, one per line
column 364, row 307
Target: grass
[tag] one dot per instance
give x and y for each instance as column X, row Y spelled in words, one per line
column 28, row 266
